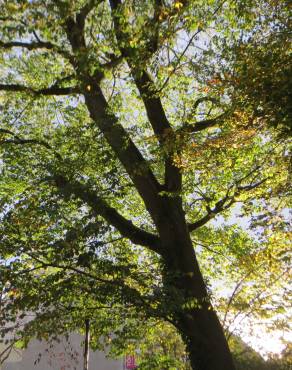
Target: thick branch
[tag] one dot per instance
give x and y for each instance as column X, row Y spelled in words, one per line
column 101, row 208
column 85, row 10
column 220, row 206
column 160, row 124
column 126, row 151
column 36, row 45
column 27, row 45
column 201, row 100
column 251, row 186
column 151, row 100
column 153, row 26
column 200, row 125
column 143, row 81
column 54, row 90
column 117, row 137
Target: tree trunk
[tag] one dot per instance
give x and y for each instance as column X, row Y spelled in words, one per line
column 205, row 341
column 194, row 316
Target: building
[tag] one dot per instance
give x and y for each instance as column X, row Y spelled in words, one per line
column 67, row 354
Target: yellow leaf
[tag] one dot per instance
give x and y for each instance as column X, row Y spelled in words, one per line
column 178, row 5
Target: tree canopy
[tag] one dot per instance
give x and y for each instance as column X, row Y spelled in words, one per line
column 131, row 133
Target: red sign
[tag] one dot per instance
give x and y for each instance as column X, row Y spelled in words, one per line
column 130, row 362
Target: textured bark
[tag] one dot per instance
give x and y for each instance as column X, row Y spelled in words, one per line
column 196, row 320
column 183, row 281
column 206, row 344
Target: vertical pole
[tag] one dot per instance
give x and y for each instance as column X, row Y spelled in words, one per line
column 86, row 344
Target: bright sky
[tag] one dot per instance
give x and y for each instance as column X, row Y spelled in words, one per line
column 263, row 341
column 266, row 342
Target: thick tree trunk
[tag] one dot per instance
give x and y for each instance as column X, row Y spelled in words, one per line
column 205, row 341
column 194, row 316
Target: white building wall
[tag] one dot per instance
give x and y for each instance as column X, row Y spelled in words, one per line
column 65, row 355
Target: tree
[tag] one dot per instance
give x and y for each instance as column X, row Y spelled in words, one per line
column 123, row 132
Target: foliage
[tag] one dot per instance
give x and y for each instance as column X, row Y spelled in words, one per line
column 122, row 123
column 159, row 347
column 260, row 72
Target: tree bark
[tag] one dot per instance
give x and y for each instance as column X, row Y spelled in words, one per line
column 194, row 316
column 205, row 340
column 199, row 324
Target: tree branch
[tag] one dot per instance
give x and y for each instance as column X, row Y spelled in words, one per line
column 235, row 291
column 252, row 302
column 27, row 45
column 36, row 45
column 179, row 59
column 154, row 23
column 142, row 79
column 203, row 99
column 211, row 213
column 127, row 152
column 101, row 208
column 6, row 352
column 200, row 125
column 117, row 137
column 199, row 30
column 152, row 102
column 132, row 292
column 226, row 202
column 85, row 10
column 252, row 186
column 21, row 141
column 53, row 90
